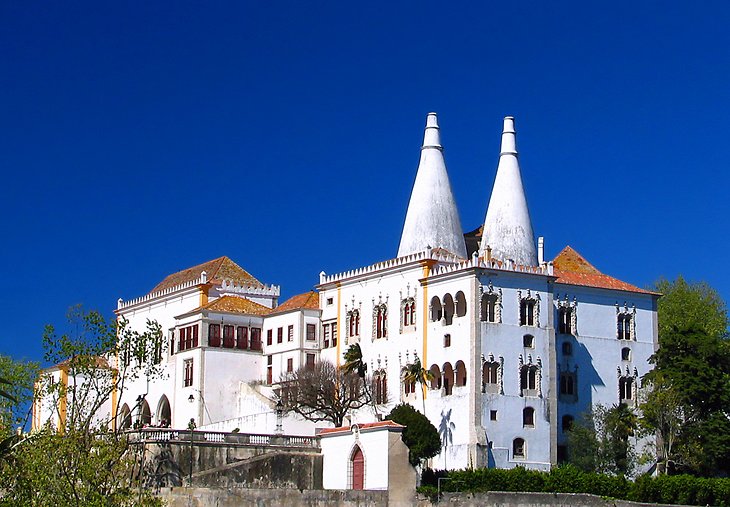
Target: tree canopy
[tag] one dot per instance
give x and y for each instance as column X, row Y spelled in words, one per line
column 323, row 392
column 420, row 435
column 85, row 460
column 686, row 398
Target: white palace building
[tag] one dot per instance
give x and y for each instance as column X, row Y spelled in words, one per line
column 519, row 346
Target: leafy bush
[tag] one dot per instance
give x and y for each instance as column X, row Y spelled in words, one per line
column 420, row 435
column 677, row 489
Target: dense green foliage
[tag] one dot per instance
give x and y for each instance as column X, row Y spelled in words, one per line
column 420, row 435
column 84, row 459
column 679, row 489
column 687, row 395
column 600, row 441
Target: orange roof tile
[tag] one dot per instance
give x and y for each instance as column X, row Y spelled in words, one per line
column 218, row 269
column 364, row 426
column 235, row 304
column 572, row 268
column 308, row 300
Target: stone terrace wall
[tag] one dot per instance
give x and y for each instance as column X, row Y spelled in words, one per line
column 508, row 499
column 203, row 497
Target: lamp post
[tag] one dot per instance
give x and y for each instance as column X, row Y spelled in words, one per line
column 279, row 417
column 191, row 427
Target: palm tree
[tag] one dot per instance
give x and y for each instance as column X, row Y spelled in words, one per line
column 415, row 373
column 355, row 364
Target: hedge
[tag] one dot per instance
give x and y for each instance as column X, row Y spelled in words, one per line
column 674, row 489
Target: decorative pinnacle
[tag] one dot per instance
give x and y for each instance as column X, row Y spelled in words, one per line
column 432, row 136
column 509, row 143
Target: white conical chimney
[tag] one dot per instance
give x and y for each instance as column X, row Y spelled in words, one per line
column 507, row 226
column 432, row 219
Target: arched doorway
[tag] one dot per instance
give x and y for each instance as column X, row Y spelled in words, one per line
column 145, row 415
column 124, row 418
column 358, row 468
column 164, row 414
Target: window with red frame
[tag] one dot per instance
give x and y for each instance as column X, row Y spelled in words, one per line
column 256, row 338
column 228, row 337
column 311, row 332
column 280, row 335
column 214, row 335
column 242, row 338
column 290, row 365
column 188, row 373
column 269, row 337
column 290, row 333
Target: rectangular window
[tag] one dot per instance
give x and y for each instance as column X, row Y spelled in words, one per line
column 334, row 334
column 255, row 338
column 214, row 335
column 290, row 365
column 195, row 335
column 280, row 335
column 269, row 370
column 290, row 333
column 624, row 326
column 228, row 338
column 565, row 318
column 269, row 336
column 242, row 338
column 310, row 361
column 492, row 415
column 311, row 332
column 447, row 340
column 326, row 333
column 188, row 373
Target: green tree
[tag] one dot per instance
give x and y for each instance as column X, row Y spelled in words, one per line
column 601, row 440
column 16, row 396
column 414, row 373
column 687, row 394
column 85, row 461
column 684, row 305
column 420, row 435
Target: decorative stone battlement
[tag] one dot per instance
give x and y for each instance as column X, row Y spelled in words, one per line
column 226, row 287
column 229, row 287
column 429, row 254
column 121, row 304
column 480, row 262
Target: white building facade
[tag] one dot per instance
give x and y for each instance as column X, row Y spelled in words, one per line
column 518, row 347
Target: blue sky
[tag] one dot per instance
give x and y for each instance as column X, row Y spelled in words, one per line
column 138, row 139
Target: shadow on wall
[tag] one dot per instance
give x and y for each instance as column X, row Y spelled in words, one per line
column 587, row 377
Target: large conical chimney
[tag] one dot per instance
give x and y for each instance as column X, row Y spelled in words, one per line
column 432, row 219
column 507, row 226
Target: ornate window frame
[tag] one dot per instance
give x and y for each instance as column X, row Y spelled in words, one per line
column 484, row 296
column 525, row 300
column 380, row 319
column 628, row 376
column 407, row 314
column 489, row 387
column 530, row 366
column 623, row 315
column 569, row 306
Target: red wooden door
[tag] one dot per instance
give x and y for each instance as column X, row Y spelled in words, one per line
column 358, row 469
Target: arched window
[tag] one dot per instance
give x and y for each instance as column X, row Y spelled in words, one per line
column 124, row 419
column 624, row 326
column 357, row 469
column 528, row 380
column 436, row 309
column 436, row 376
column 449, row 309
column 164, row 414
column 408, row 313
column 490, row 307
column 567, row 384
column 567, row 423
column 380, row 379
column 460, row 374
column 528, row 417
column 145, row 415
column 565, row 320
column 448, row 376
column 626, row 389
column 528, row 312
column 490, row 377
column 353, row 323
column 381, row 321
column 519, row 449
column 626, row 354
column 528, row 341
column 460, row 304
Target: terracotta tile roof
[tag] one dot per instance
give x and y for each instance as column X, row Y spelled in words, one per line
column 98, row 361
column 364, row 426
column 235, row 304
column 308, row 300
column 218, row 269
column 572, row 268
